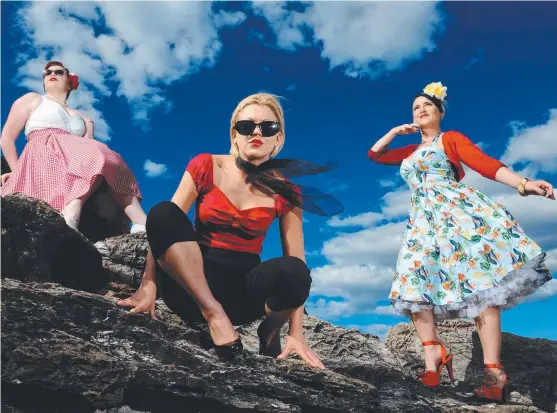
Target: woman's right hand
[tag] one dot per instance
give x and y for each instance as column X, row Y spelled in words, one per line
column 405, row 129
column 5, row 177
column 143, row 300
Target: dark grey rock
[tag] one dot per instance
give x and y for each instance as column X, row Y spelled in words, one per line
column 37, row 245
column 67, row 350
column 124, row 257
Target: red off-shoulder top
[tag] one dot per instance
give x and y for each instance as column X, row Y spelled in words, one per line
column 219, row 223
column 459, row 149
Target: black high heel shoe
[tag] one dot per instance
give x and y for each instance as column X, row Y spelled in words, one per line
column 225, row 352
column 230, row 351
column 272, row 347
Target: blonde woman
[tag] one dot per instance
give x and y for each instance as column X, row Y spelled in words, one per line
column 464, row 255
column 214, row 273
column 62, row 164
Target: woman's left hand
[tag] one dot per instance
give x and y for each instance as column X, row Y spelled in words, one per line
column 541, row 188
column 299, row 346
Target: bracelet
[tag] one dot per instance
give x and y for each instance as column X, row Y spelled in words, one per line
column 522, row 187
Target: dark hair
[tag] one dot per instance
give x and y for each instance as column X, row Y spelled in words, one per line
column 437, row 102
column 57, row 63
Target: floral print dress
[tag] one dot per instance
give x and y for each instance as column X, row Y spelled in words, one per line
column 462, row 251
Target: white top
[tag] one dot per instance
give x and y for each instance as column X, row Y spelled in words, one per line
column 51, row 114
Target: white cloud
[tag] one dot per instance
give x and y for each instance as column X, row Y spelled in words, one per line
column 361, row 220
column 396, row 203
column 364, row 38
column 378, row 245
column 285, row 23
column 387, row 183
column 167, row 41
column 384, row 310
column 534, row 145
column 379, row 330
column 335, row 309
column 153, row 169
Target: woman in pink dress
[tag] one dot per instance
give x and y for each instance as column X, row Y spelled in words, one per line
column 62, row 164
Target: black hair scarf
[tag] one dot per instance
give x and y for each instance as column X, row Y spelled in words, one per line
column 273, row 177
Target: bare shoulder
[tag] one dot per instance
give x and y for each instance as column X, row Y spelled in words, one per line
column 28, row 101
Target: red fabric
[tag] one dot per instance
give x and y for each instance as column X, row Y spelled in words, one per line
column 58, row 167
column 459, row 149
column 219, row 223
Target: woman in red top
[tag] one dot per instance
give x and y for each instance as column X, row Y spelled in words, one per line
column 214, row 273
column 464, row 255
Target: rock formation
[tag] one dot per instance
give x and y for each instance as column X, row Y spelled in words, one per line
column 68, row 350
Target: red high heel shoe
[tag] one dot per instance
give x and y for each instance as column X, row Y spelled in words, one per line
column 489, row 390
column 433, row 378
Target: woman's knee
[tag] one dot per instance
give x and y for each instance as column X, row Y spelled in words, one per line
column 167, row 224
column 293, row 283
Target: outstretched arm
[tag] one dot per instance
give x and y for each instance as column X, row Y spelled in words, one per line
column 512, row 179
column 491, row 168
column 292, row 238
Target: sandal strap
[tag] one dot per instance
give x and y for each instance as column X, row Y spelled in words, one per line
column 431, row 343
column 493, row 366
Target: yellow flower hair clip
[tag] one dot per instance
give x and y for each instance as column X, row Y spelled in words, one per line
column 436, row 89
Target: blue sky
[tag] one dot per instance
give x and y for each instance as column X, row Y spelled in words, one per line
column 162, row 79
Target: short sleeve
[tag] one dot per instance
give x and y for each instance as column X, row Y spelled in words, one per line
column 201, row 171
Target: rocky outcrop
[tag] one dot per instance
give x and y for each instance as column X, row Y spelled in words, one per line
column 66, row 350
column 124, row 257
column 530, row 363
column 37, row 245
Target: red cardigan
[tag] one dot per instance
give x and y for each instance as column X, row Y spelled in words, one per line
column 459, row 149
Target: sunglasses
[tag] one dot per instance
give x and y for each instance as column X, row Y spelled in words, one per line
column 247, row 127
column 57, row 72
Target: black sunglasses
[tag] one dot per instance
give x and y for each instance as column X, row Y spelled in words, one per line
column 247, row 127
column 57, row 72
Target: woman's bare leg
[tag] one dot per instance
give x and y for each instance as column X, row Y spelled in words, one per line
column 72, row 211
column 130, row 205
column 184, row 263
column 489, row 329
column 424, row 322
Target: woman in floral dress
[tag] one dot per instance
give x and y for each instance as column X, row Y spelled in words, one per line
column 464, row 255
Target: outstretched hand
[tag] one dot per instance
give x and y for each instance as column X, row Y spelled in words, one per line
column 300, row 347
column 540, row 188
column 143, row 300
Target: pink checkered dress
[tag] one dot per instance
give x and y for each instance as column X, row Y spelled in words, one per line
column 58, row 167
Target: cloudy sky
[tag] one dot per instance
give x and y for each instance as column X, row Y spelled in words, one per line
column 162, row 79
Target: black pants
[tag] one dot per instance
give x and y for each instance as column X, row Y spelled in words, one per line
column 238, row 280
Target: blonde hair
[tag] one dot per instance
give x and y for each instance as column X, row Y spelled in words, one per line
column 267, row 99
